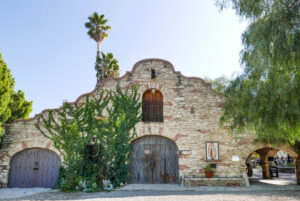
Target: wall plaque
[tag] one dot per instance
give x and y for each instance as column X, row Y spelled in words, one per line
column 235, row 158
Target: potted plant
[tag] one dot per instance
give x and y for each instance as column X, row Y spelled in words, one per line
column 208, row 171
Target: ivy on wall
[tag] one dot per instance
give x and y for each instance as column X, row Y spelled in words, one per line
column 95, row 147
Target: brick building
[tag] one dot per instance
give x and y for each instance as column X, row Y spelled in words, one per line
column 174, row 143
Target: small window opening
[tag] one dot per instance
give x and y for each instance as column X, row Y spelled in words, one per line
column 213, row 165
column 192, row 110
column 178, row 80
column 153, row 73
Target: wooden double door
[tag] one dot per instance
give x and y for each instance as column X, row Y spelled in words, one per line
column 34, row 168
column 154, row 160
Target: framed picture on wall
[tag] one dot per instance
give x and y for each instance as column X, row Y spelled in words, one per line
column 212, row 151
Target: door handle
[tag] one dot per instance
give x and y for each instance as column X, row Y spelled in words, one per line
column 36, row 166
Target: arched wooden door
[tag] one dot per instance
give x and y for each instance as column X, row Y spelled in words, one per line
column 154, row 160
column 34, row 168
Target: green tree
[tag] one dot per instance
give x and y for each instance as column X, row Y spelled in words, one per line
column 94, row 137
column 20, row 108
column 266, row 96
column 12, row 105
column 6, row 91
column 109, row 64
column 97, row 30
column 219, row 84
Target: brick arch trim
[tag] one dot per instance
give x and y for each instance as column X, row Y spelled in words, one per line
column 286, row 149
column 13, row 149
column 24, row 145
column 139, row 137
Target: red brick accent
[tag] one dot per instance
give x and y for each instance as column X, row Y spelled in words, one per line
column 225, row 164
column 160, row 130
column 24, row 144
column 171, row 118
column 48, row 145
column 168, row 104
column 182, row 156
column 182, row 167
column 178, row 136
column 36, row 134
column 220, row 104
column 243, row 142
column 196, row 91
column 201, row 170
column 177, row 89
column 184, row 107
column 203, row 131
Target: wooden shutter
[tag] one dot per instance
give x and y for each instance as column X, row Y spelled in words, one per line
column 152, row 106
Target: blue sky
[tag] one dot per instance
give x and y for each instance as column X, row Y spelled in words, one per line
column 45, row 44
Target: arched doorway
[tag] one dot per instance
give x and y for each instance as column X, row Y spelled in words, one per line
column 35, row 167
column 154, row 160
column 265, row 163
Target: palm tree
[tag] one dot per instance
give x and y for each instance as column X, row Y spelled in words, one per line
column 97, row 29
column 109, row 64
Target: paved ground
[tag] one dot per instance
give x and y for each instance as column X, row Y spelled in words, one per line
column 260, row 190
column 169, row 195
column 284, row 178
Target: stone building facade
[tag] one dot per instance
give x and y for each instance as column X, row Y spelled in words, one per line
column 191, row 111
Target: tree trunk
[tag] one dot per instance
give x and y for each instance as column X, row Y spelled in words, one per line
column 98, row 49
column 298, row 169
column 296, row 147
column 265, row 167
column 102, row 69
column 264, row 153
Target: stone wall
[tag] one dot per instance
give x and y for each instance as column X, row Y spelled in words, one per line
column 20, row 136
column 191, row 114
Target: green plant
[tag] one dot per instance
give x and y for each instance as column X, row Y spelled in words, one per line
column 12, row 104
column 258, row 167
column 291, row 164
column 94, row 146
column 108, row 64
column 208, row 168
column 97, row 30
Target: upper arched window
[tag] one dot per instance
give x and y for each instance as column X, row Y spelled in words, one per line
column 152, row 106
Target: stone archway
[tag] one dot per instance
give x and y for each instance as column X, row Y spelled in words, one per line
column 265, row 153
column 154, row 159
column 36, row 167
column 8, row 152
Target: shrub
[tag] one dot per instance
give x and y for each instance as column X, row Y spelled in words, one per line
column 95, row 147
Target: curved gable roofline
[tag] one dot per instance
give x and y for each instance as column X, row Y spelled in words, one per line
column 118, row 78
